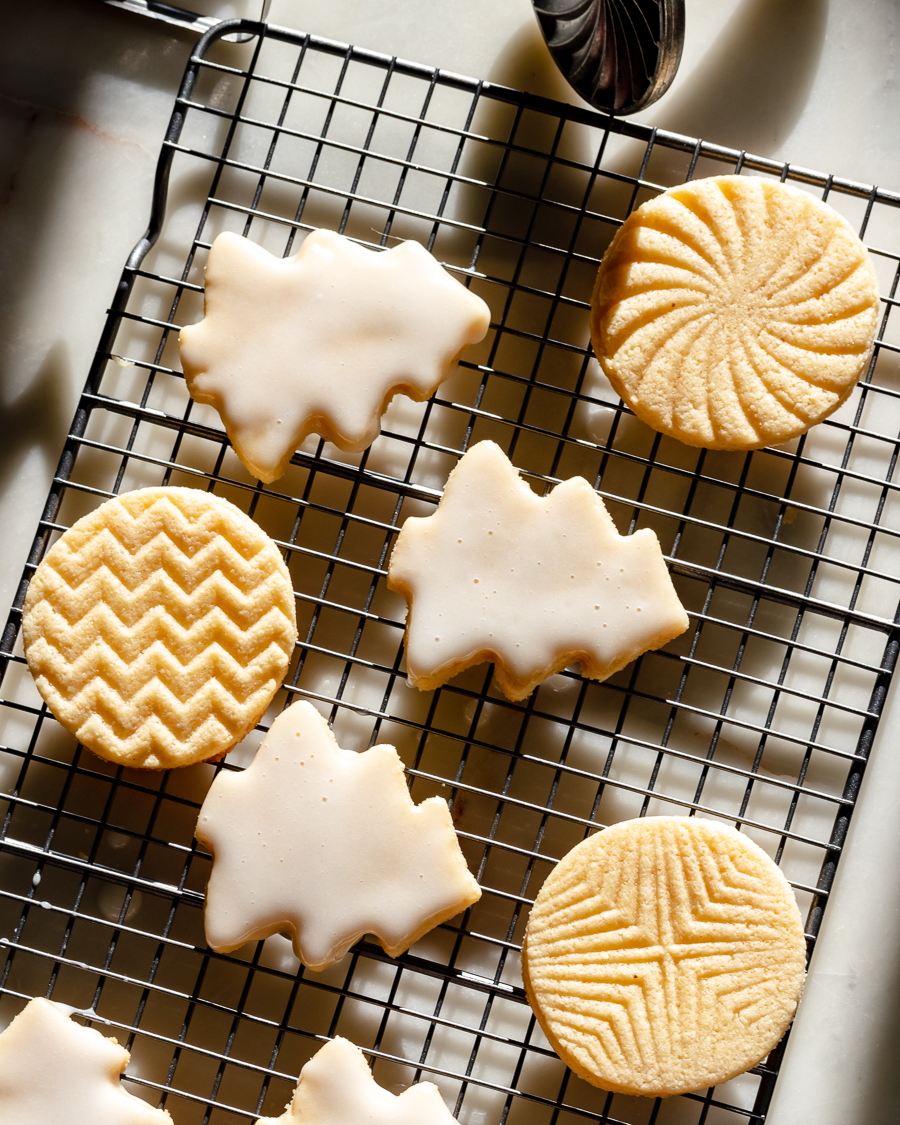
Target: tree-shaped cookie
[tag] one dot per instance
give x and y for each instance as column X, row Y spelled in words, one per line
column 533, row 583
column 54, row 1070
column 336, row 1087
column 327, row 844
column 322, row 341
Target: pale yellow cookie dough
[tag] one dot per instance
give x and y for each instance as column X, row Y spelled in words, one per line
column 734, row 312
column 664, row 955
column 159, row 627
column 533, row 583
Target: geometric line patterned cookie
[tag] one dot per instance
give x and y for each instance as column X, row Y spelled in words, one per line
column 322, row 341
column 54, row 1071
column 159, row 627
column 663, row 955
column 532, row 583
column 336, row 1087
column 327, row 844
column 734, row 312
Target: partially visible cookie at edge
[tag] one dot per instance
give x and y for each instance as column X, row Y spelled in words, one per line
column 337, row 1087
column 734, row 312
column 159, row 627
column 664, row 955
column 54, row 1070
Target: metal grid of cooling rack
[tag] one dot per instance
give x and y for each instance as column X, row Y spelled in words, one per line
column 761, row 715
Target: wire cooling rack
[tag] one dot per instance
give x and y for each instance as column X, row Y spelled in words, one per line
column 761, row 715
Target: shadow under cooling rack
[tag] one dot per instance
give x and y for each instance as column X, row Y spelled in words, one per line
column 761, row 715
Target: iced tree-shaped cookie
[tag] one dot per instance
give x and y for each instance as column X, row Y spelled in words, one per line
column 533, row 583
column 336, row 1087
column 54, row 1070
column 322, row 341
column 327, row 844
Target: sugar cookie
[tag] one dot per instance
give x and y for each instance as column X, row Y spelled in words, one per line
column 327, row 844
column 159, row 627
column 534, row 583
column 53, row 1070
column 734, row 312
column 336, row 1087
column 664, row 955
column 322, row 341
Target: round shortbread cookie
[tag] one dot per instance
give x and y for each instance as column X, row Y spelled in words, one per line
column 734, row 312
column 159, row 627
column 664, row 955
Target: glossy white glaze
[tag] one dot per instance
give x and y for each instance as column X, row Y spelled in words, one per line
column 532, row 582
column 54, row 1070
column 336, row 1087
column 327, row 843
column 321, row 342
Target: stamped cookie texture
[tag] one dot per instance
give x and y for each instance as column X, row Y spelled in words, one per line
column 159, row 627
column 734, row 312
column 533, row 583
column 54, row 1070
column 322, row 341
column 336, row 1087
column 327, row 844
column 664, row 955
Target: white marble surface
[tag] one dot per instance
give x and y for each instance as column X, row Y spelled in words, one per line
column 85, row 93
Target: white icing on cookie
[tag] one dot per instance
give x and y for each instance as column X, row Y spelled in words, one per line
column 327, row 844
column 54, row 1070
column 322, row 341
column 533, row 583
column 336, row 1087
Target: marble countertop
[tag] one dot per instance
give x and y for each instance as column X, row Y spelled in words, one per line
column 85, row 94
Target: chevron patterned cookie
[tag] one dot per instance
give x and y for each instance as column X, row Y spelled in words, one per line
column 534, row 583
column 336, row 1087
column 53, row 1070
column 322, row 341
column 327, row 844
column 734, row 312
column 159, row 627
column 664, row 955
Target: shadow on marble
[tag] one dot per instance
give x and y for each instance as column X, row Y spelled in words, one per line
column 85, row 94
column 879, row 1082
column 33, row 418
column 754, row 82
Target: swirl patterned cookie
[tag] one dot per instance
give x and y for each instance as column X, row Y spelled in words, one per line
column 159, row 627
column 664, row 955
column 734, row 312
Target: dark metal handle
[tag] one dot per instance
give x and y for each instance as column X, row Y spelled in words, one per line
column 619, row 55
